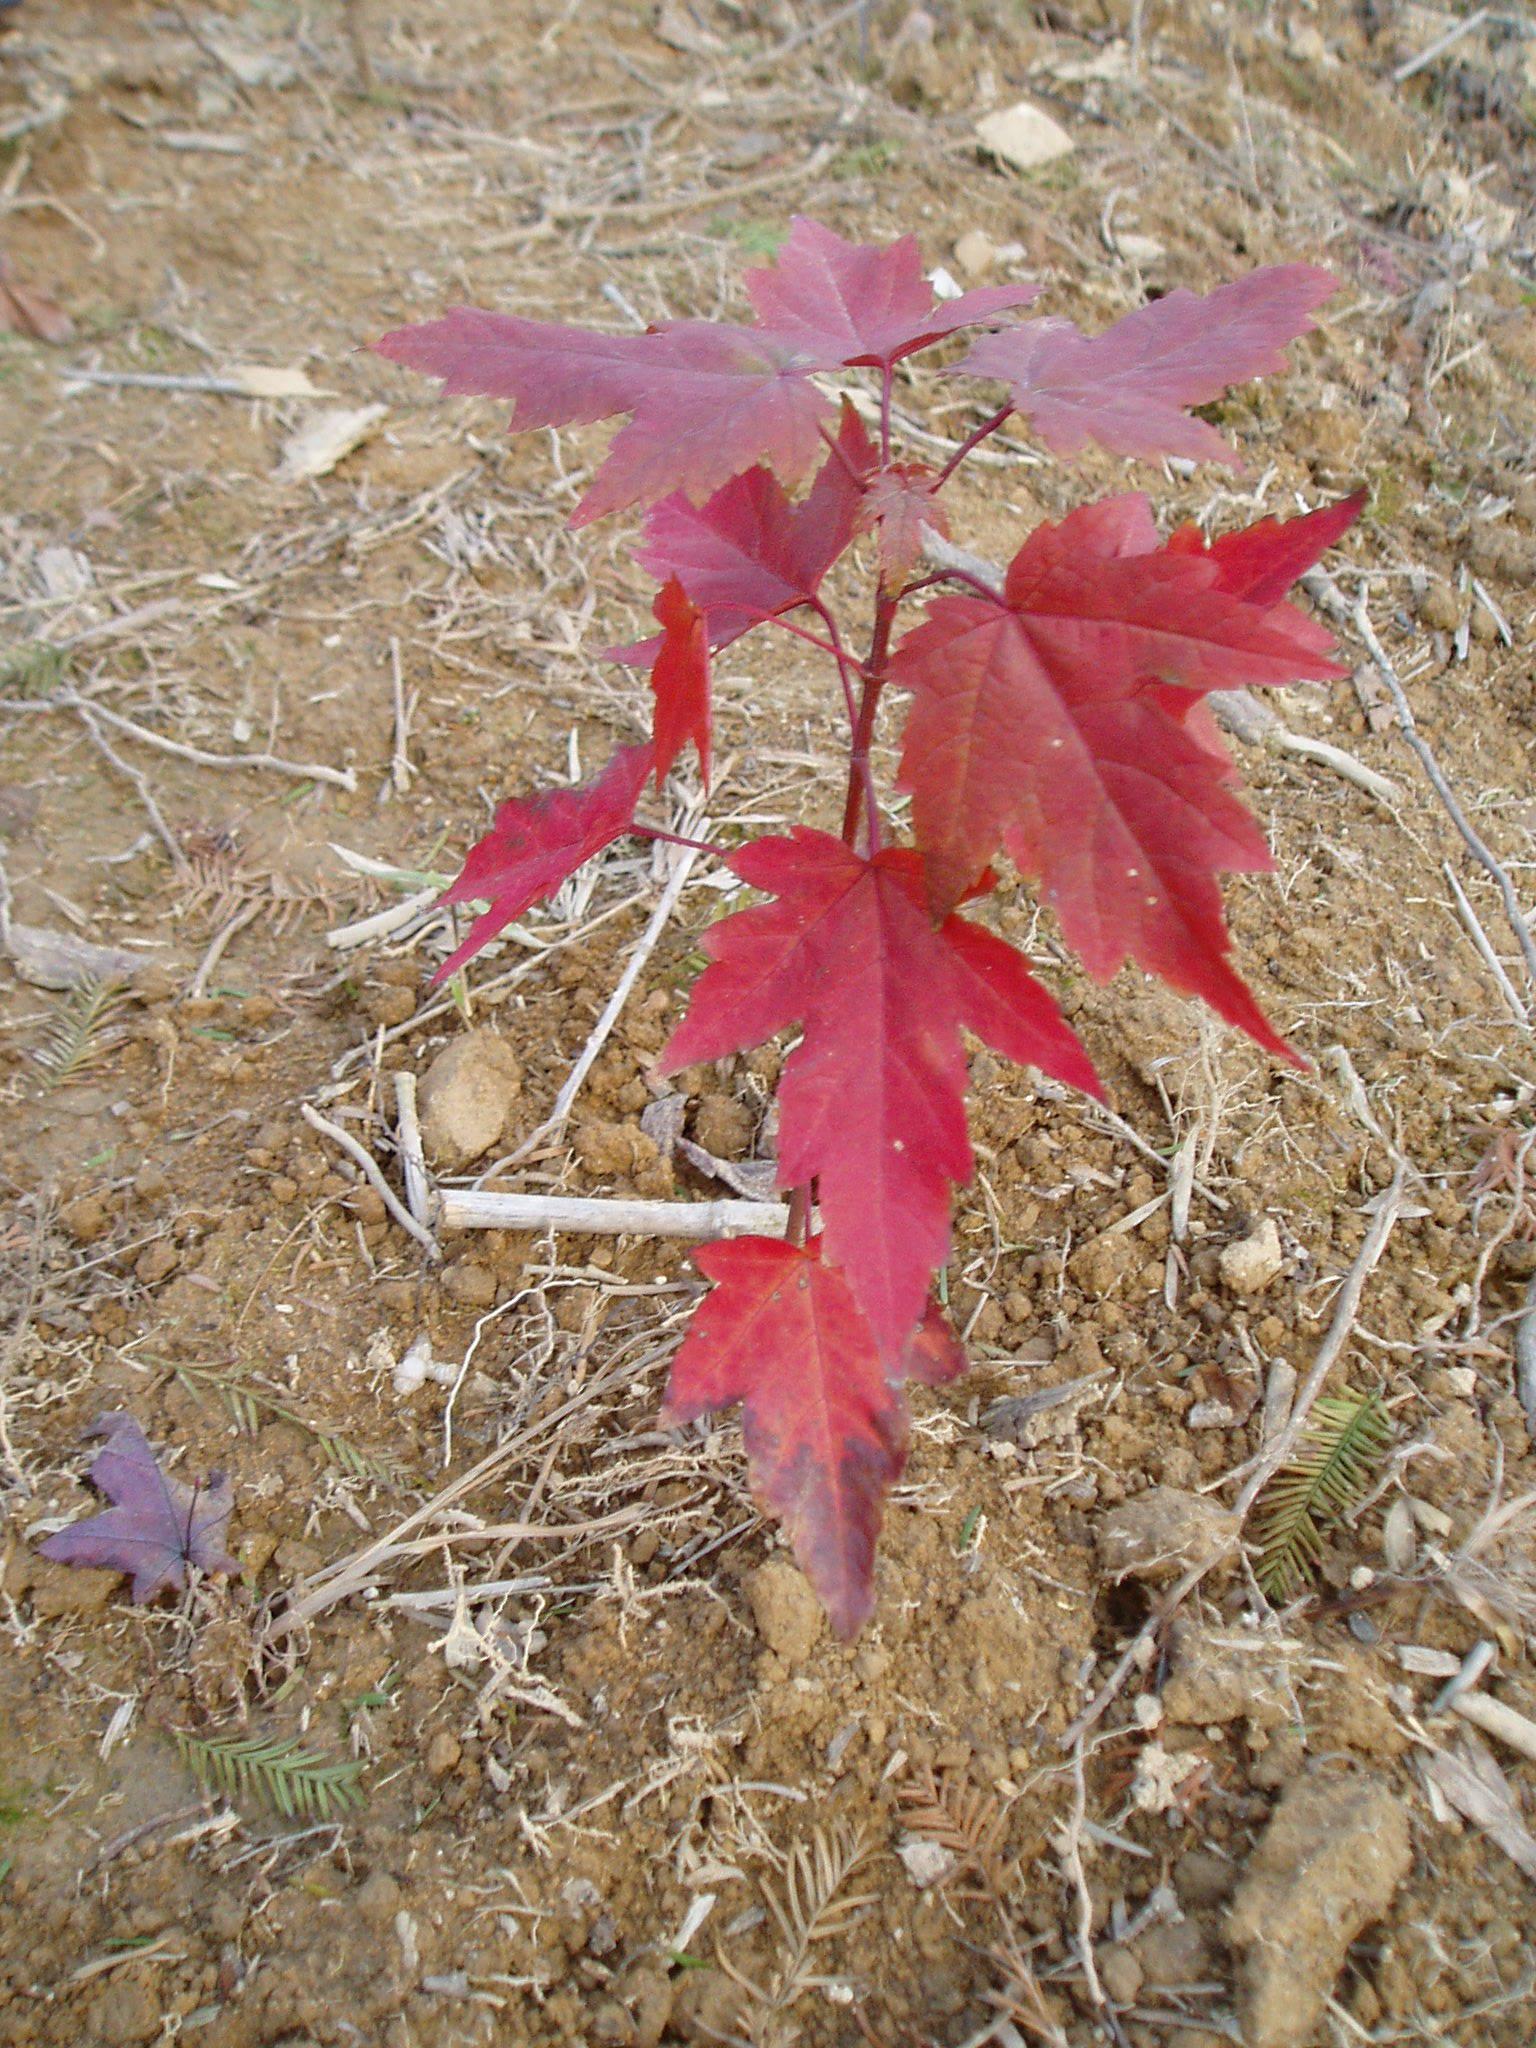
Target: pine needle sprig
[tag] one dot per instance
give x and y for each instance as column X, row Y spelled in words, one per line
column 299, row 1784
column 959, row 1817
column 81, row 1032
column 810, row 1907
column 1326, row 1476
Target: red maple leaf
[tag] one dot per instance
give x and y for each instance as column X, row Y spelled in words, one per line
column 824, row 1427
column 1128, row 387
column 535, row 842
column 899, row 501
column 847, row 302
column 1044, row 721
column 1261, row 562
column 871, row 1101
column 705, row 399
column 749, row 553
column 680, row 679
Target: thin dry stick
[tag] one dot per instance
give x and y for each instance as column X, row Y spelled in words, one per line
column 1072, row 1861
column 303, row 771
column 413, row 1162
column 215, row 953
column 401, row 773
column 375, row 1179
column 1483, row 946
column 1440, row 45
column 644, row 947
column 1327, row 592
column 146, row 795
column 485, row 1209
column 1525, row 1358
column 1270, row 1459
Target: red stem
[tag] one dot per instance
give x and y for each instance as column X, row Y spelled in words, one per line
column 972, row 440
column 860, row 779
column 672, row 838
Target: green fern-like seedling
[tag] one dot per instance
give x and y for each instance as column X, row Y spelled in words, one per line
column 81, row 1031
column 298, row 1783
column 1324, row 1478
column 249, row 1406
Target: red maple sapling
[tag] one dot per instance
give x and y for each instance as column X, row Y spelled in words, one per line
column 1060, row 720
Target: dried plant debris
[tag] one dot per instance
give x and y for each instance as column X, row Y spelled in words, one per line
column 811, row 1905
column 297, row 1783
column 249, row 1406
column 82, row 1031
column 156, row 1527
column 1325, row 1477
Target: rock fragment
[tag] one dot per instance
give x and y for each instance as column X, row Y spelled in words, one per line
column 467, row 1094
column 1249, row 1266
column 1023, row 137
column 1160, row 1533
column 787, row 1612
column 1328, row 1864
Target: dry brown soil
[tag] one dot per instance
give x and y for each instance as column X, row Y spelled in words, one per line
column 612, row 1767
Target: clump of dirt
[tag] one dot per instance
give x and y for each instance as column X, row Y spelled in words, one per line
column 618, row 1783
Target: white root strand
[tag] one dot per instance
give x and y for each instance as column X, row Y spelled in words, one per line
column 486, row 1209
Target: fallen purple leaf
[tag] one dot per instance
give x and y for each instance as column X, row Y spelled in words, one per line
column 156, row 1525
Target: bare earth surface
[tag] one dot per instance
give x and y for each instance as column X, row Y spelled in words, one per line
column 616, row 1785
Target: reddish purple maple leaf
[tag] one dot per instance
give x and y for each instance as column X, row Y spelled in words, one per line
column 535, row 842
column 680, row 680
column 846, row 302
column 749, row 552
column 156, row 1527
column 705, row 400
column 1053, row 721
column 824, row 1427
column 1128, row 387
column 871, row 1104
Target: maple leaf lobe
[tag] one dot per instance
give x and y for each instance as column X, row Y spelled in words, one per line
column 824, row 1428
column 535, row 842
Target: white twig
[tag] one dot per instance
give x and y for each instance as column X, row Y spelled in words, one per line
column 1439, row 46
column 1516, row 1731
column 375, row 1179
column 383, row 923
column 401, row 773
column 1483, row 946
column 413, row 1164
column 303, row 771
column 215, row 953
column 644, row 947
column 485, row 1209
column 1347, row 1307
column 1525, row 1358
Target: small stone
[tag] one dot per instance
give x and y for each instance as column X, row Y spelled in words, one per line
column 155, row 1263
column 1440, row 608
column 470, row 1284
column 1203, row 1879
column 926, row 1863
column 443, row 1753
column 1160, row 1533
column 378, row 1899
column 1023, row 137
column 467, row 1094
column 975, row 252
column 787, row 1613
column 1120, row 1973
column 1139, row 248
column 1328, row 1864
column 1174, row 1952
column 1249, row 1266
column 723, row 1126
column 85, row 1218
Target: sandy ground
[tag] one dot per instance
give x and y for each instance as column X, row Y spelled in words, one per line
column 585, row 1766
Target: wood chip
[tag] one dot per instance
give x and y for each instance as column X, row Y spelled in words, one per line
column 316, row 449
